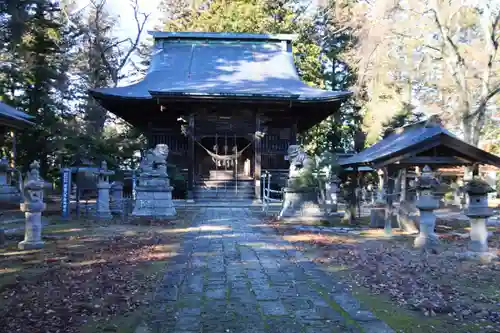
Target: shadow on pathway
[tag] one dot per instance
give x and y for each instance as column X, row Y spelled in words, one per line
column 235, row 275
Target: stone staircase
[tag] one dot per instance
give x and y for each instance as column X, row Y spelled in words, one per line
column 223, row 186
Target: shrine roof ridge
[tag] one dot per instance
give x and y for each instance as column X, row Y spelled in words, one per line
column 222, row 36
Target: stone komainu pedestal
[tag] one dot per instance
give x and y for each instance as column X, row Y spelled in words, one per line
column 33, row 207
column 154, row 201
column 103, row 211
column 427, row 203
column 478, row 211
column 301, row 203
column 154, row 193
column 300, row 197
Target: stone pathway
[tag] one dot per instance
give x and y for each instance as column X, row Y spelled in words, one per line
column 235, row 275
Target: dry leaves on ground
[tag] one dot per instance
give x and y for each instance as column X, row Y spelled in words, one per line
column 75, row 280
column 432, row 283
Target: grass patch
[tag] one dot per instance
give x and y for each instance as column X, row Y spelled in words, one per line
column 396, row 317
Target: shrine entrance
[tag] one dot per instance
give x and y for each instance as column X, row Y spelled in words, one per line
column 224, row 167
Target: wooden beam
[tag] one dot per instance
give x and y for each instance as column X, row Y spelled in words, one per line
column 471, row 152
column 410, row 152
column 440, row 160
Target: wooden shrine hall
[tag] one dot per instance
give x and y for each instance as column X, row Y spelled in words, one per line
column 228, row 105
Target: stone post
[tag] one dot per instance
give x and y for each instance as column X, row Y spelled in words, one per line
column 33, row 206
column 478, row 211
column 426, row 203
column 116, row 192
column 103, row 186
column 377, row 212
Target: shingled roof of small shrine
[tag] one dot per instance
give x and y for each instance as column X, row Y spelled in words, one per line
column 410, row 138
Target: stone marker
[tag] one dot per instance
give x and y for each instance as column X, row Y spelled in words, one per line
column 377, row 212
column 426, row 203
column 154, row 193
column 103, row 186
column 33, row 206
column 116, row 192
column 478, row 212
column 300, row 197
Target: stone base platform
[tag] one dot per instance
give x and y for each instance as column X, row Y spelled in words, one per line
column 301, row 204
column 154, row 202
column 10, row 194
column 24, row 245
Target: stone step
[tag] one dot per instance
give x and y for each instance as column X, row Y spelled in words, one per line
column 224, row 194
column 209, row 195
column 241, row 183
column 225, row 175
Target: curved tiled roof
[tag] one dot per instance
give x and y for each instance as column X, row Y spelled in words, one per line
column 222, row 65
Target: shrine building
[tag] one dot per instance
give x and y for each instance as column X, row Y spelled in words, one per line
column 228, row 105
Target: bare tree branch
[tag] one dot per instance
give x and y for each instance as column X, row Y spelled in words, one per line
column 457, row 69
column 140, row 23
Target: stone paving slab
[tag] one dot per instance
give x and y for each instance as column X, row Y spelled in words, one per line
column 235, row 275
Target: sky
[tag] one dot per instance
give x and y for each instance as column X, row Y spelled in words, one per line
column 126, row 24
column 127, row 27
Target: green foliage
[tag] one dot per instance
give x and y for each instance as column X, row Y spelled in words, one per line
column 306, row 180
column 407, row 115
column 46, row 67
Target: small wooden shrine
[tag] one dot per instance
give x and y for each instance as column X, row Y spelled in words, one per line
column 227, row 104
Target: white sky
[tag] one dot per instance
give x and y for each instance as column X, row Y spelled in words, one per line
column 123, row 10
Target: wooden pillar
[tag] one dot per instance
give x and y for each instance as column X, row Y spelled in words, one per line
column 404, row 185
column 293, row 134
column 257, row 158
column 191, row 152
column 390, row 173
column 14, row 149
column 149, row 135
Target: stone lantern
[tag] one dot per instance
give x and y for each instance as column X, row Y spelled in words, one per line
column 427, row 203
column 33, row 206
column 332, row 188
column 103, row 186
column 478, row 211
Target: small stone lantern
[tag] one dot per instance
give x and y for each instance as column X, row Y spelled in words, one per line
column 478, row 211
column 103, row 187
column 33, row 206
column 426, row 203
